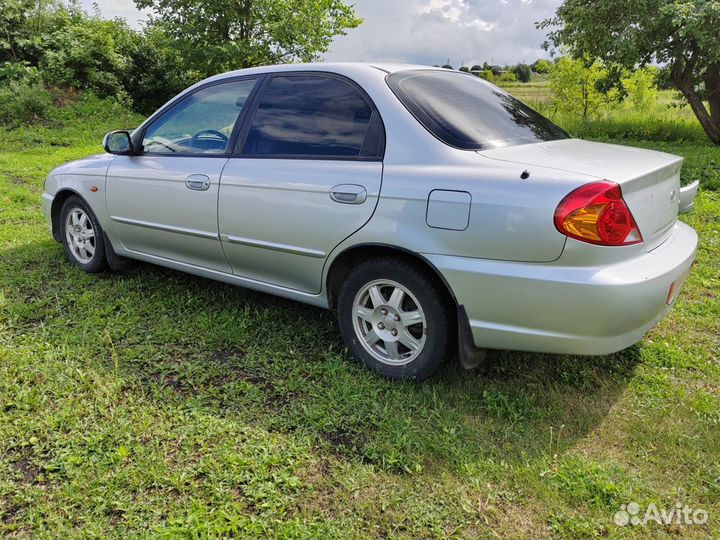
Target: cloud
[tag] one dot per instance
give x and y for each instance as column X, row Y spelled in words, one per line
column 465, row 32
column 119, row 8
column 432, row 31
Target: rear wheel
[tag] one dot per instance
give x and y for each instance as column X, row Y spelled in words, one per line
column 395, row 318
column 82, row 236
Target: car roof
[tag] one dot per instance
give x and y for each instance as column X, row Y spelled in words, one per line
column 341, row 68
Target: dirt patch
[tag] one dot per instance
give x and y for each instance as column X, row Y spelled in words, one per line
column 8, row 510
column 27, row 470
column 17, row 180
column 343, row 441
column 227, row 356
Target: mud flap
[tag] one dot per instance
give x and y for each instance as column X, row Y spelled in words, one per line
column 115, row 261
column 470, row 355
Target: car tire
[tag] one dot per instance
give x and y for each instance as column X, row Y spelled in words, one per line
column 396, row 318
column 82, row 237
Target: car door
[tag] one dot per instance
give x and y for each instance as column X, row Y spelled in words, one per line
column 163, row 201
column 307, row 176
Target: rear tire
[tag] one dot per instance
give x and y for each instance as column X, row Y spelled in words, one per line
column 396, row 319
column 82, row 237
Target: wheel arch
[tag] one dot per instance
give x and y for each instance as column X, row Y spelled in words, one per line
column 470, row 356
column 60, row 197
column 346, row 259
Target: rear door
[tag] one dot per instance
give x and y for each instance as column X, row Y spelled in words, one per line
column 163, row 201
column 307, row 175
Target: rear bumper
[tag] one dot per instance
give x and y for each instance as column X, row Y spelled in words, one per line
column 687, row 197
column 557, row 308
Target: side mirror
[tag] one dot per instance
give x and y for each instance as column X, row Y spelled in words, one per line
column 118, row 142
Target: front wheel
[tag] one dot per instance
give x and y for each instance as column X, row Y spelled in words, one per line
column 82, row 236
column 395, row 318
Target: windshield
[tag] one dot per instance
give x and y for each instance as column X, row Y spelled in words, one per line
column 467, row 112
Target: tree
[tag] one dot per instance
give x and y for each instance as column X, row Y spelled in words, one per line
column 522, row 72
column 576, row 87
column 83, row 53
column 66, row 45
column 541, row 66
column 641, row 88
column 680, row 33
column 220, row 35
column 159, row 70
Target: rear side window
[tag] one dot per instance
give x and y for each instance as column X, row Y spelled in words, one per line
column 314, row 116
column 467, row 112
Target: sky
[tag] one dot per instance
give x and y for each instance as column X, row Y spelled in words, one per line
column 465, row 32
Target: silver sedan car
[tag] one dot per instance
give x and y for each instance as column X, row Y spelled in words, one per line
column 435, row 213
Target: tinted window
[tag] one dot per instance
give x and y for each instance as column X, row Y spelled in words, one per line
column 313, row 116
column 467, row 112
column 201, row 123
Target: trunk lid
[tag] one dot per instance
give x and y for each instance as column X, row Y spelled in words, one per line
column 650, row 180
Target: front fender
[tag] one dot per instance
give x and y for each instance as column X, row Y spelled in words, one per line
column 85, row 178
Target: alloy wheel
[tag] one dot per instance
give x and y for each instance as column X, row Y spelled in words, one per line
column 80, row 235
column 389, row 322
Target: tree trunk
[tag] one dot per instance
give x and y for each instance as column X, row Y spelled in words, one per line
column 712, row 87
column 710, row 121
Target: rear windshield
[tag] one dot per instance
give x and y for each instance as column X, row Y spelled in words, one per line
column 467, row 112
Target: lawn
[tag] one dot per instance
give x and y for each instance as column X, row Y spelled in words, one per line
column 157, row 404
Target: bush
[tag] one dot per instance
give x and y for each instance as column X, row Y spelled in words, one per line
column 19, row 71
column 507, row 77
column 641, row 89
column 522, row 72
column 487, row 75
column 23, row 102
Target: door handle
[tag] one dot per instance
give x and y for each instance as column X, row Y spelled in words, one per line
column 348, row 194
column 197, row 182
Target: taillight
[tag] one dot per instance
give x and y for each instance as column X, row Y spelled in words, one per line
column 596, row 213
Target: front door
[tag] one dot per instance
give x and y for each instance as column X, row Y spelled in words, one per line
column 308, row 176
column 163, row 202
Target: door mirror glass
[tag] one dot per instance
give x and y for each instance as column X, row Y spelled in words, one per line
column 118, row 142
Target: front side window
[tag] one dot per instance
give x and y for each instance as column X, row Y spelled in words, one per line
column 313, row 116
column 200, row 124
column 469, row 113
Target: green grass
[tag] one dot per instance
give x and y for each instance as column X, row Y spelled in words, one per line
column 157, row 404
column 666, row 127
column 665, row 121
